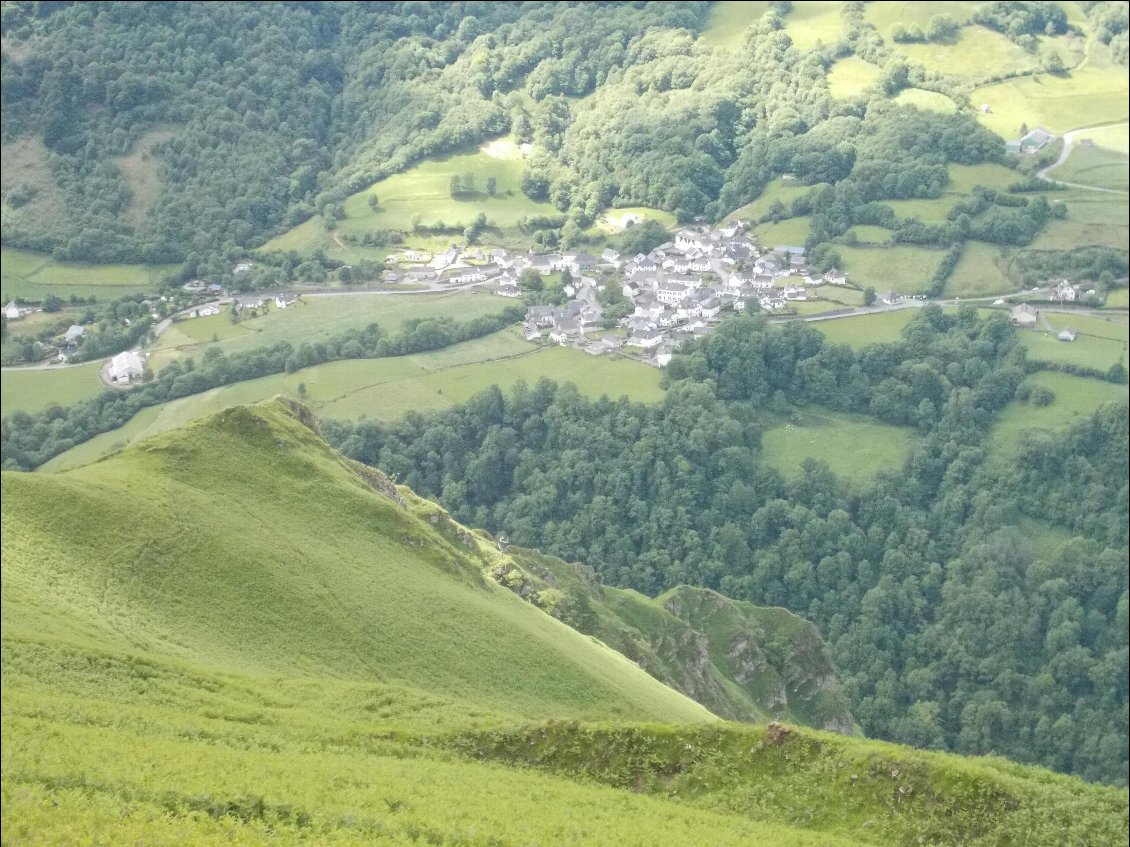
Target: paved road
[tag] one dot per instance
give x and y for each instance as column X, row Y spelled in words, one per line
column 1068, row 142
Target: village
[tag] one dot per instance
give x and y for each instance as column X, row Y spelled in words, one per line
column 678, row 291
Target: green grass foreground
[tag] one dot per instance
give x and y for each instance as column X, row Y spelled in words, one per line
column 231, row 635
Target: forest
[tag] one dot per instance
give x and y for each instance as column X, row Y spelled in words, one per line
column 951, row 628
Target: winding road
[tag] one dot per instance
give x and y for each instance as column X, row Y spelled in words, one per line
column 1068, row 143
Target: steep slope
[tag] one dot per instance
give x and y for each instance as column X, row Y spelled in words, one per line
column 244, row 543
column 742, row 661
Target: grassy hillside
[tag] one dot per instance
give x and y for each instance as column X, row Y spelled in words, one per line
column 230, row 635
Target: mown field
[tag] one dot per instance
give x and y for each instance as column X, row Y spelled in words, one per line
column 33, row 276
column 33, row 390
column 928, row 101
column 901, row 268
column 387, row 389
column 981, row 271
column 855, row 447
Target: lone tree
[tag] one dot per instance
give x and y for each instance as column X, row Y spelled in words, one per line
column 374, row 202
column 868, row 296
column 492, row 186
column 530, row 280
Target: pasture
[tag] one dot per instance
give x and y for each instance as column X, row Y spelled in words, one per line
column 387, row 389
column 855, row 447
column 867, row 234
column 852, row 76
column 1104, row 165
column 784, row 190
column 423, row 193
column 33, row 276
column 977, row 54
column 1099, row 342
column 1119, row 298
column 1093, row 93
column 901, row 268
column 618, row 219
column 727, row 21
column 35, row 389
column 885, row 15
column 1092, row 218
column 858, row 331
column 981, row 271
column 814, row 22
column 141, row 171
column 788, row 231
column 927, row 101
column 317, row 317
column 1074, row 398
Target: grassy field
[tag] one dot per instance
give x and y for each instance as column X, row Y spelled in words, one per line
column 978, row 54
column 387, row 389
column 839, row 294
column 1119, row 298
column 852, row 76
column 964, row 177
column 928, row 101
column 871, row 234
column 424, row 191
column 34, row 390
column 1094, row 93
column 1105, row 165
column 316, row 318
column 859, row 331
column 141, row 171
column 786, row 232
column 884, row 15
column 853, row 446
column 1092, row 218
column 902, row 268
column 616, row 220
column 727, row 22
column 928, row 211
column 981, row 271
column 814, row 22
column 1099, row 342
column 32, row 275
column 1075, row 397
column 25, row 162
column 785, row 190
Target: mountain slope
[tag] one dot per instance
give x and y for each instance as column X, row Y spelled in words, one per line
column 245, row 544
column 231, row 635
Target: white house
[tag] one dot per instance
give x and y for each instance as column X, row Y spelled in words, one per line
column 509, row 290
column 284, row 301
column 208, row 309
column 647, row 340
column 892, row 298
column 836, row 277
column 126, row 367
column 1066, row 335
column 1065, row 292
column 671, row 292
column 13, row 312
column 74, row 333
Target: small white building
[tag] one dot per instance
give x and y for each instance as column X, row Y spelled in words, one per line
column 74, row 333
column 1065, row 292
column 206, row 310
column 1066, row 335
column 126, row 367
column 13, row 312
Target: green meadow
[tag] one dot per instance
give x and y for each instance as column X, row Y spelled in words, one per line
column 884, row 15
column 387, row 389
column 1093, row 93
column 852, row 76
column 423, row 193
column 315, row 318
column 867, row 234
column 1074, row 398
column 858, row 331
column 788, row 231
column 855, row 447
column 1099, row 342
column 32, row 390
column 981, row 271
column 33, row 276
column 784, row 190
column 814, row 22
column 727, row 22
column 1104, row 165
column 977, row 54
column 901, row 268
column 928, row 101
column 1092, row 218
column 1119, row 298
